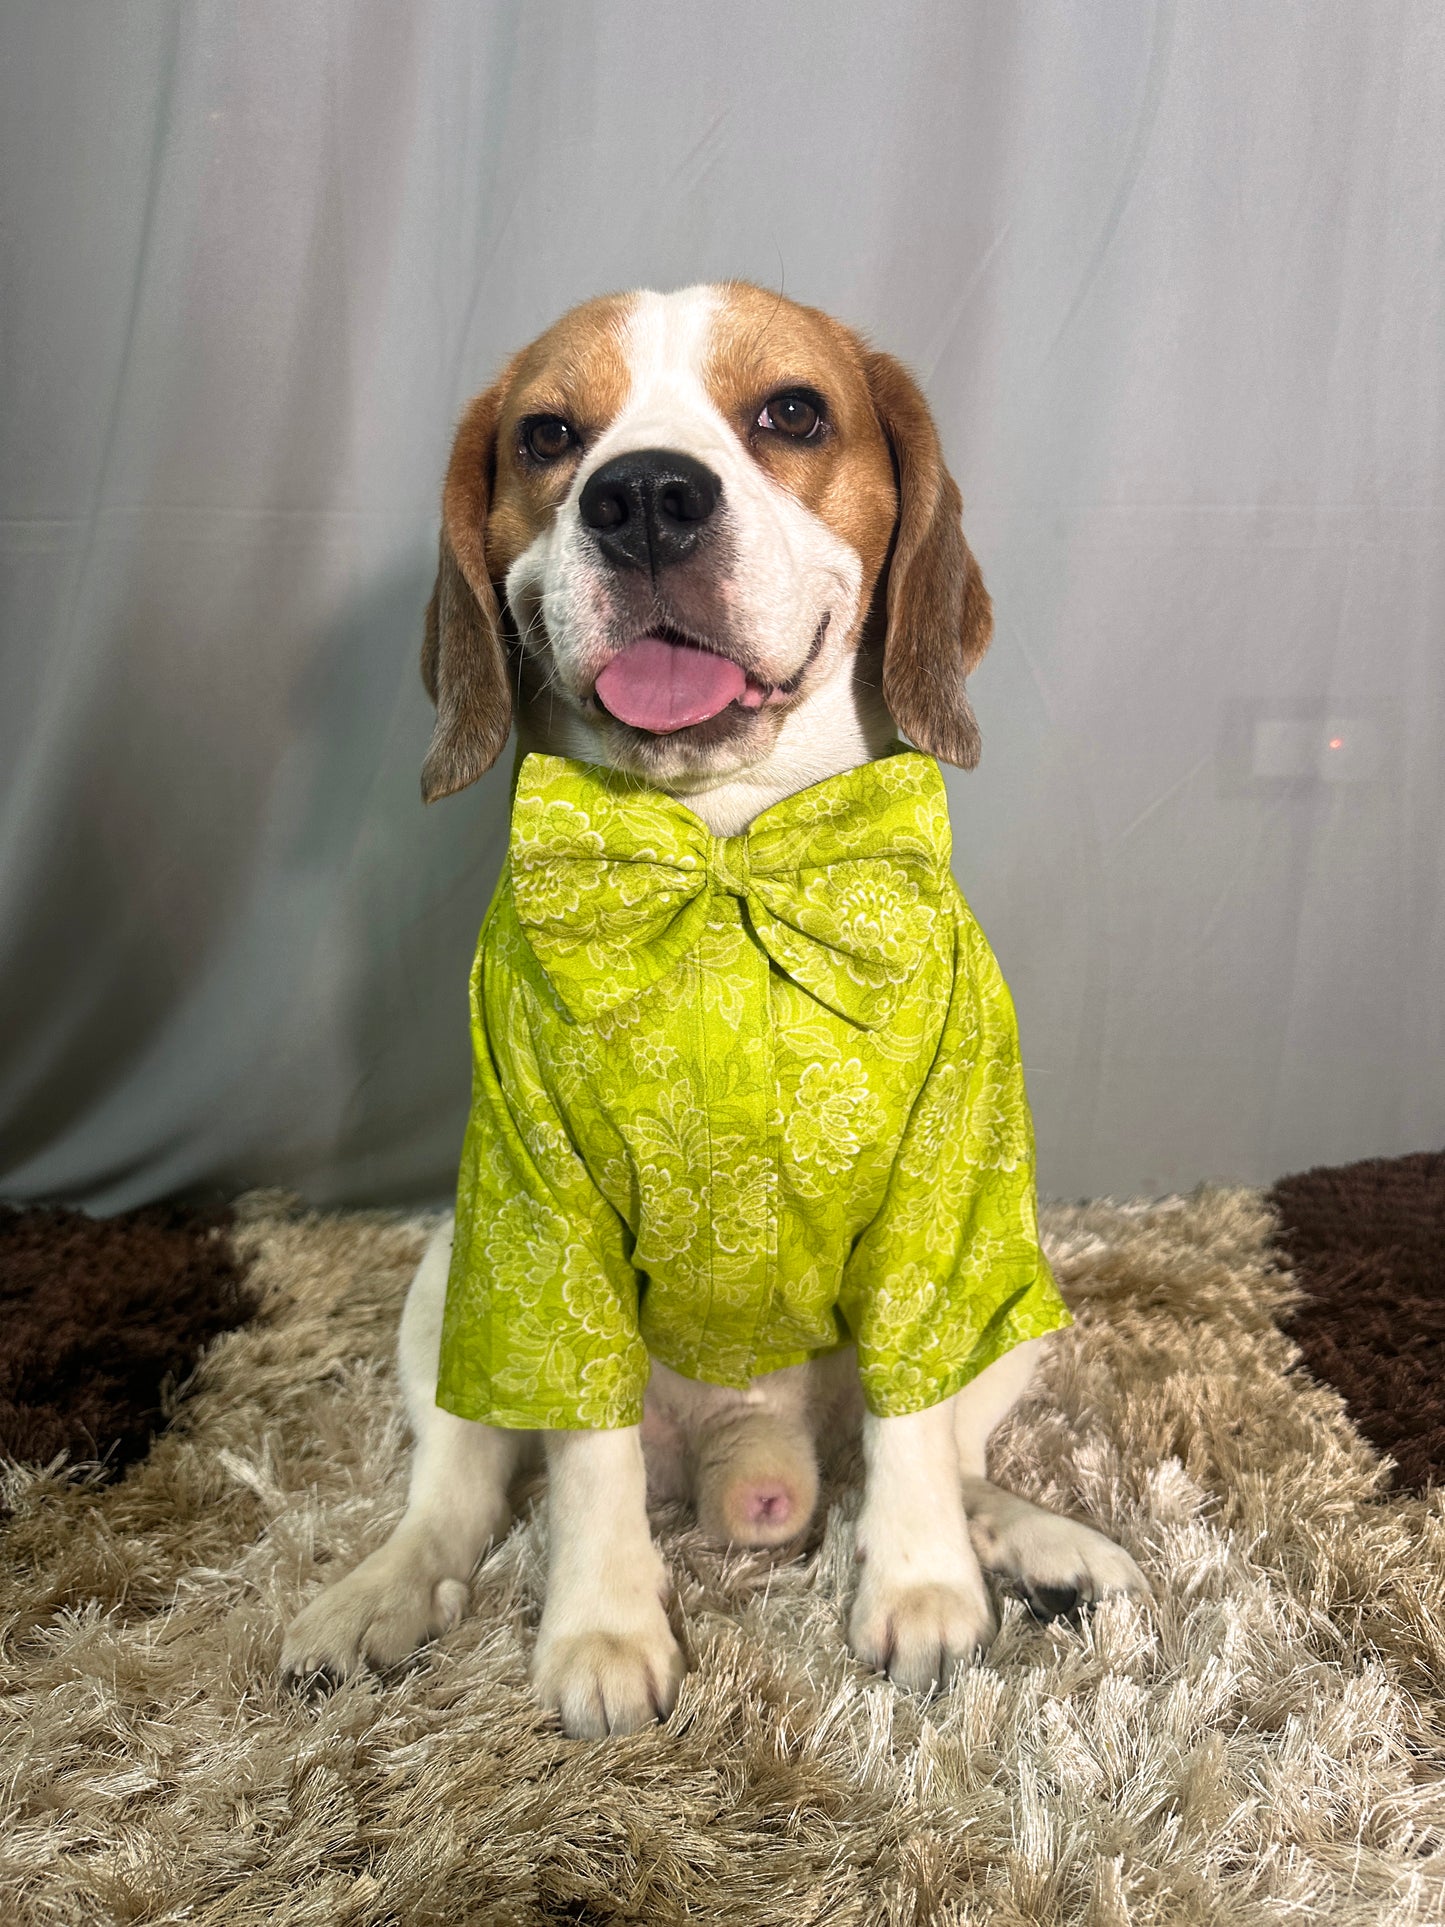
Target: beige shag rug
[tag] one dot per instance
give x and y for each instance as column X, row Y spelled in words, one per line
column 1263, row 1744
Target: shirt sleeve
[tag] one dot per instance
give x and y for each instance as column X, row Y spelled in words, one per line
column 950, row 1274
column 540, row 1328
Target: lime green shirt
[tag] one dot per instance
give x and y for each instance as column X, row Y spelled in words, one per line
column 738, row 1101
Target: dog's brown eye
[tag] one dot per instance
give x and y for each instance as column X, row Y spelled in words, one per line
column 548, row 437
column 797, row 416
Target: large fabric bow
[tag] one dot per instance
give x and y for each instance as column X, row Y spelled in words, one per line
column 613, row 883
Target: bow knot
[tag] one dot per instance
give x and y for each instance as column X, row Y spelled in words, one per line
column 613, row 885
column 728, row 865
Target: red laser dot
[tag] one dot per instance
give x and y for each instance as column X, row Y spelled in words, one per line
column 1337, row 742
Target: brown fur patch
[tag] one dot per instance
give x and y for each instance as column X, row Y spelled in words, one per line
column 578, row 369
column 939, row 615
column 464, row 660
column 494, row 504
column 877, row 480
column 762, row 344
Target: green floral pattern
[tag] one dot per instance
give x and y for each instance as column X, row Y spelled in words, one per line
column 737, row 1101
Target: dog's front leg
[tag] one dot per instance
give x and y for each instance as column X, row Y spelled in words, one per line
column 415, row 1586
column 1057, row 1565
column 606, row 1659
column 922, row 1608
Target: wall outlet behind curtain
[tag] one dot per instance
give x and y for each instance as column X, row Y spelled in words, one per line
column 1330, row 749
column 1273, row 750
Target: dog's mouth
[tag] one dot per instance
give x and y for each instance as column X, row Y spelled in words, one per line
column 665, row 682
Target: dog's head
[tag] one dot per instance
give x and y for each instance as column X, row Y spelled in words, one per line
column 680, row 526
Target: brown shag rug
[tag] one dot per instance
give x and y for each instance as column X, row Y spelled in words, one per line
column 1262, row 1744
column 101, row 1319
column 1367, row 1244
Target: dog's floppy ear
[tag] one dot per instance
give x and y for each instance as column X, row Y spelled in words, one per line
column 463, row 658
column 939, row 615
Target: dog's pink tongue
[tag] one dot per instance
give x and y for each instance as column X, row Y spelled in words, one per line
column 662, row 686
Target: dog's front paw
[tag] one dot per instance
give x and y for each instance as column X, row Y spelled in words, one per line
column 921, row 1635
column 1057, row 1565
column 392, row 1603
column 607, row 1680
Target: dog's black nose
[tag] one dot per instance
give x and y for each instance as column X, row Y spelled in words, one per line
column 648, row 508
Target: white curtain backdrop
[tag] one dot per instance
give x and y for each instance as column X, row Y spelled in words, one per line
column 1172, row 276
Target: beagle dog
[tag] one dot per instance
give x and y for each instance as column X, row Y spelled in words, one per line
column 707, row 539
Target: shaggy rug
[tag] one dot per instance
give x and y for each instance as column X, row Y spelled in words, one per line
column 1367, row 1245
column 1263, row 1743
column 101, row 1319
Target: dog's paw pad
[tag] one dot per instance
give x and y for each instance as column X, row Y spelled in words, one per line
column 1053, row 1602
column 1058, row 1566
